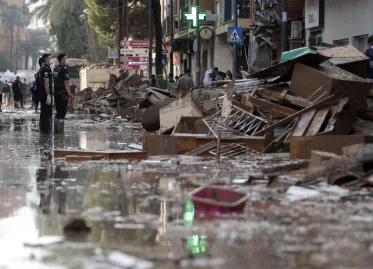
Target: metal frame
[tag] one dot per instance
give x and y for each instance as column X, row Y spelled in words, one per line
column 228, row 151
column 235, row 122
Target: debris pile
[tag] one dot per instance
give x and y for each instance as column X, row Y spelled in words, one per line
column 123, row 96
column 293, row 106
column 317, row 100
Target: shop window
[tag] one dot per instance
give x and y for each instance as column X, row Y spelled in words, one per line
column 341, row 42
column 360, row 42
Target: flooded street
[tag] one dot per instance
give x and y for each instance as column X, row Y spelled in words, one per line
column 142, row 209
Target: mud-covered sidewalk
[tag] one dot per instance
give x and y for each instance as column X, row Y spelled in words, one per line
column 143, row 209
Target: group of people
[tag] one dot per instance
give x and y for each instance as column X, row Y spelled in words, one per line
column 182, row 85
column 16, row 92
column 52, row 86
column 49, row 88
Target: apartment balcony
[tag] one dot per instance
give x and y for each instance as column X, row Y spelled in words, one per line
column 244, row 14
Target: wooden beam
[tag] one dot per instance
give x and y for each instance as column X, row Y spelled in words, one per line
column 106, row 155
column 298, row 114
column 272, row 107
column 202, row 149
column 303, row 122
column 276, row 96
column 317, row 122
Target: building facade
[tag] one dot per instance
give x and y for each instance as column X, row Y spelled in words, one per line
column 339, row 22
column 12, row 34
column 216, row 51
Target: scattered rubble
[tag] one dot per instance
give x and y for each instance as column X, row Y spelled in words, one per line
column 315, row 106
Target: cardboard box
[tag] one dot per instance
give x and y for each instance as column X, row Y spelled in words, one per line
column 312, row 82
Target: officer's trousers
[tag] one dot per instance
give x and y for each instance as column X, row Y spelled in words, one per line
column 61, row 107
column 45, row 118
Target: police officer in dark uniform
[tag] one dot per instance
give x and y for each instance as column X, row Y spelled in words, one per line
column 45, row 77
column 62, row 94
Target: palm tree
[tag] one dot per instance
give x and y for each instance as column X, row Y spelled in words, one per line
column 65, row 26
column 15, row 18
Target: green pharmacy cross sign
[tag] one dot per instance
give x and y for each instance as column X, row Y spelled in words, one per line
column 191, row 17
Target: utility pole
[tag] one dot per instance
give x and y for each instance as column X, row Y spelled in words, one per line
column 284, row 26
column 150, row 37
column 172, row 37
column 120, row 26
column 234, row 51
column 125, row 19
column 198, row 52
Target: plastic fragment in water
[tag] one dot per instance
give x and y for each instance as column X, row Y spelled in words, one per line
column 45, row 241
column 295, row 193
column 126, row 261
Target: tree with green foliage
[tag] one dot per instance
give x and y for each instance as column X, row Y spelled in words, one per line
column 64, row 25
column 36, row 43
column 104, row 19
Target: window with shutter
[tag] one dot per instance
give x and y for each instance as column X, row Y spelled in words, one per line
column 227, row 10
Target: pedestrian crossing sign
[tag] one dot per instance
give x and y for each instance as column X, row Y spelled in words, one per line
column 234, row 35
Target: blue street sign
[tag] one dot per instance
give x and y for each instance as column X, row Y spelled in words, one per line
column 112, row 54
column 234, row 35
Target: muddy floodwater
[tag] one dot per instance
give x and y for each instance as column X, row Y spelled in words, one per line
column 141, row 215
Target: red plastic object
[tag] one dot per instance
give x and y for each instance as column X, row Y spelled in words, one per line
column 217, row 200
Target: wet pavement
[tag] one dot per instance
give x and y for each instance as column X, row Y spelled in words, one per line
column 143, row 209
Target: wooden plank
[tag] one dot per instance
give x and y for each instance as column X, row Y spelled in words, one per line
column 272, row 107
column 301, row 146
column 303, row 122
column 63, row 153
column 73, row 158
column 175, row 145
column 298, row 114
column 168, row 145
column 317, row 122
column 202, row 149
column 290, row 99
column 107, row 155
column 341, row 122
column 242, row 106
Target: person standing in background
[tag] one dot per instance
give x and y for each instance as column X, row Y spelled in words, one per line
column 369, row 52
column 62, row 93
column 23, row 93
column 73, row 88
column 17, row 92
column 1, row 93
column 6, row 93
column 46, row 89
column 185, row 83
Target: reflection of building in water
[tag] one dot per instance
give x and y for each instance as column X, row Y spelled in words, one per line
column 52, row 193
column 11, row 200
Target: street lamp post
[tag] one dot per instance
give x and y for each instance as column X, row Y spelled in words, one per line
column 150, row 37
column 284, row 27
column 198, row 52
column 234, row 50
column 172, row 37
